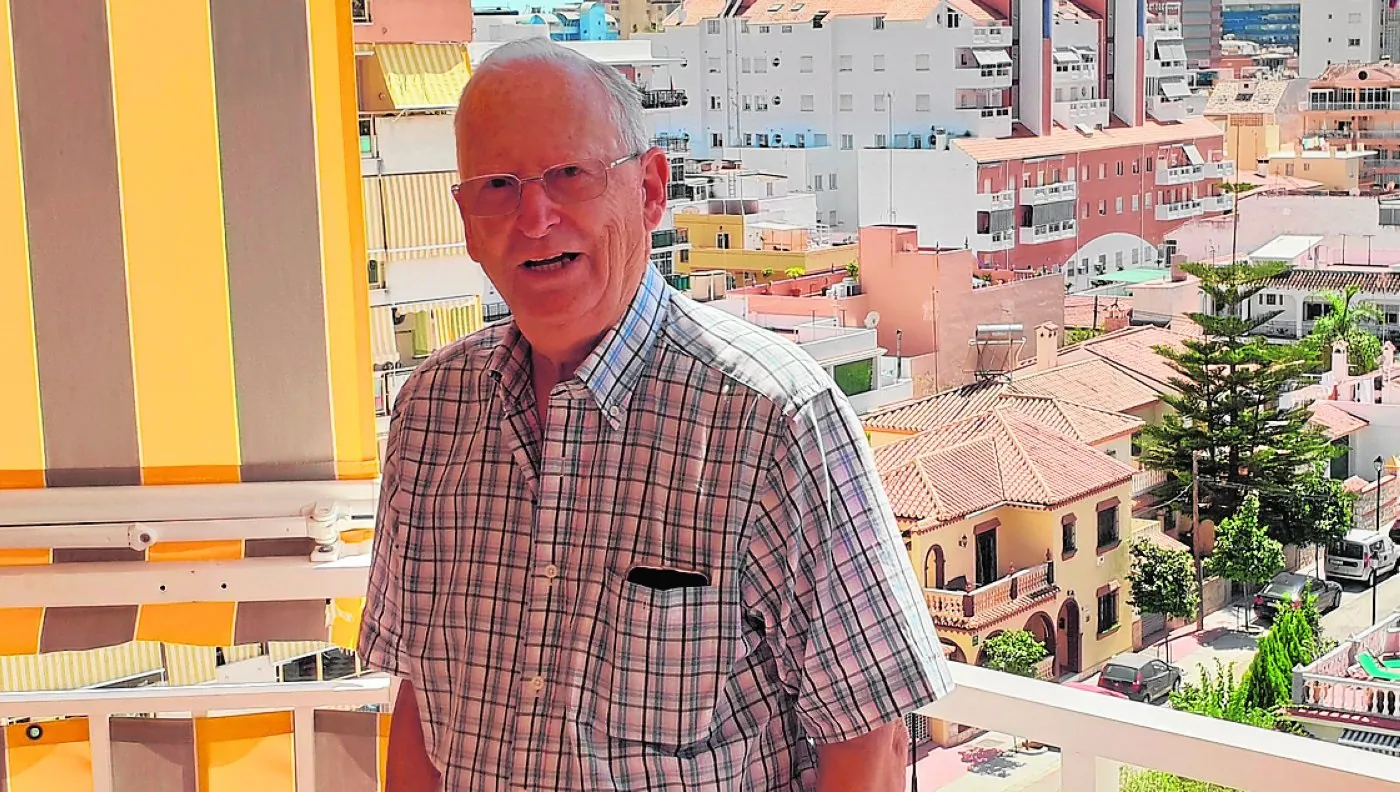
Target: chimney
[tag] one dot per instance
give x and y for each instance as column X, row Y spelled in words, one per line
column 1339, row 362
column 1047, row 346
column 1117, row 318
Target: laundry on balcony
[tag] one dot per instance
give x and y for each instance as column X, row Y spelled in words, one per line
column 383, row 346
column 437, row 323
column 992, row 57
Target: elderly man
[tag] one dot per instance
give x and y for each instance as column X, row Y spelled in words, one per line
column 627, row 541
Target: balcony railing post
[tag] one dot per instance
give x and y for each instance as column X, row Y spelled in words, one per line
column 969, row 605
column 304, row 747
column 100, row 742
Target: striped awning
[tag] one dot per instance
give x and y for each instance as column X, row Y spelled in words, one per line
column 437, row 323
column 382, row 345
column 1379, row 742
column 410, row 216
column 424, row 76
column 74, row 670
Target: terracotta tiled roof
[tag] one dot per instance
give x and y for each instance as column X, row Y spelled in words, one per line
column 999, row 457
column 1083, row 423
column 1245, row 96
column 975, row 10
column 1079, row 309
column 1092, row 381
column 1335, row 421
column 1067, row 141
column 938, row 409
column 1347, row 75
column 790, row 12
column 1078, row 421
column 1134, row 349
column 1335, row 278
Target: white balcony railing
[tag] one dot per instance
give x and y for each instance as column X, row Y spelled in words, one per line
column 991, row 36
column 994, row 202
column 1091, row 112
column 1144, row 481
column 1049, row 232
column 983, row 77
column 890, row 393
column 1049, row 193
column 1185, row 174
column 1167, row 110
column 992, row 122
column 1180, row 211
column 1153, row 68
column 1095, row 734
column 1218, row 203
column 1001, row 240
column 1221, row 170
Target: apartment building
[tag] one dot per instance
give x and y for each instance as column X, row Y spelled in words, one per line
column 1343, row 32
column 1202, row 25
column 1271, row 23
column 939, row 94
column 1359, row 106
column 1259, row 115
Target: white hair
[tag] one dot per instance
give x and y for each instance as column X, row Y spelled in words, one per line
column 625, row 98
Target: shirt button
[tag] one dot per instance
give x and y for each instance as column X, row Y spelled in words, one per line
column 615, row 412
column 551, row 571
column 537, row 683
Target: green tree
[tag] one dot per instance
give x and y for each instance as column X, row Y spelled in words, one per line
column 1268, row 684
column 1134, row 780
column 1015, row 652
column 794, row 272
column 1226, row 411
column 1316, row 511
column 1244, row 552
column 1074, row 335
column 1342, row 318
column 1222, row 697
column 853, row 269
column 1163, row 581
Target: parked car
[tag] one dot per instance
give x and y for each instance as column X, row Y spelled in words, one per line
column 1362, row 555
column 1140, row 677
column 1286, row 590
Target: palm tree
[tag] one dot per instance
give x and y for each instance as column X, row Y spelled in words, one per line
column 1342, row 319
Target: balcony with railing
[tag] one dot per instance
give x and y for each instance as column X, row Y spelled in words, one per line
column 1224, row 170
column 982, row 77
column 994, row 201
column 984, row 605
column 670, row 237
column 1090, row 112
column 991, row 36
column 986, row 121
column 1049, row 193
column 1183, row 174
column 663, row 98
column 1144, row 481
column 994, row 241
column 1171, row 109
column 678, row 144
column 1180, row 210
column 1218, row 203
column 1048, row 232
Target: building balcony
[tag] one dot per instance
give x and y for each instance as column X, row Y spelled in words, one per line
column 830, row 344
column 1180, row 211
column 1049, row 193
column 1076, row 73
column 991, row 36
column 985, row 605
column 982, row 77
column 1352, row 107
column 1144, row 481
column 1185, row 174
column 1163, row 31
column 994, row 202
column 1090, row 112
column 988, row 243
column 669, row 238
column 883, row 396
column 1168, row 110
column 1218, row 203
column 1153, row 68
column 990, row 122
column 664, row 98
column 1221, row 170
column 678, row 144
column 1049, row 232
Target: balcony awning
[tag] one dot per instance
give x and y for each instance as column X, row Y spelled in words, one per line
column 1066, row 56
column 412, row 216
column 1193, row 154
column 1171, row 52
column 1388, row 744
column 1174, row 90
column 424, row 76
column 992, row 57
column 383, row 348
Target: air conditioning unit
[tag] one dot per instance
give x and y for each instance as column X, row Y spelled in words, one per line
column 777, row 140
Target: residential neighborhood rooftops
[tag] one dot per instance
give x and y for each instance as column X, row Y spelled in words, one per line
column 1078, row 421
column 1286, row 247
column 1337, row 278
column 1131, row 352
column 1092, row 381
column 1062, row 141
column 1335, row 422
column 1245, row 96
column 1089, row 311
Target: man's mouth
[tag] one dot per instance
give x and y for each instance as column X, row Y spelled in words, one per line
column 547, row 265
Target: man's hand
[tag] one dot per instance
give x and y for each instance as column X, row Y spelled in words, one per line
column 873, row 762
column 407, row 767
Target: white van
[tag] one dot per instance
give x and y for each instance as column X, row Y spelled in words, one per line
column 1363, row 555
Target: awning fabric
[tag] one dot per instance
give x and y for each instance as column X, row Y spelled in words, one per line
column 1175, row 90
column 74, row 670
column 1171, row 52
column 1066, row 56
column 1388, row 744
column 382, row 345
column 992, row 57
column 412, row 216
column 1193, row 154
column 437, row 323
column 424, row 76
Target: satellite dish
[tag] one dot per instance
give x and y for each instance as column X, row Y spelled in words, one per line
column 872, row 319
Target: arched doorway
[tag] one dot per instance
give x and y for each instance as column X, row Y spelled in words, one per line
column 933, row 567
column 1043, row 630
column 1070, row 639
column 952, row 651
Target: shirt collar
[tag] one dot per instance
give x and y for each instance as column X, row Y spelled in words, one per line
column 611, row 370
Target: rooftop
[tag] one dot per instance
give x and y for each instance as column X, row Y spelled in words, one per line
column 1246, row 96
column 1286, row 247
column 1090, row 311
column 1132, row 351
column 1091, row 381
column 1062, row 141
column 692, row 12
column 1352, row 75
column 1337, row 278
column 1080, row 422
column 1335, row 422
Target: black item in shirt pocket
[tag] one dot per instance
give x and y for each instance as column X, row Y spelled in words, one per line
column 660, row 579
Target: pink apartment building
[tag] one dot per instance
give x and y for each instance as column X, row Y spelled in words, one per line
column 408, row 21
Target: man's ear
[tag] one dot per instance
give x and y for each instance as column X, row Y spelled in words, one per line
column 656, row 174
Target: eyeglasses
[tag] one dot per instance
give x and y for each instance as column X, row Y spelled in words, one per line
column 499, row 193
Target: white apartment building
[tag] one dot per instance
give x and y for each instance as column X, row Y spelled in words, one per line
column 1345, row 31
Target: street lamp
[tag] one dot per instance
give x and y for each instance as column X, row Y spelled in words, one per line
column 1380, row 466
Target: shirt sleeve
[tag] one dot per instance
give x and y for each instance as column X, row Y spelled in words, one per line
column 382, row 646
column 854, row 638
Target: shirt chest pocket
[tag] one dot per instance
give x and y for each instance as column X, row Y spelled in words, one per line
column 667, row 665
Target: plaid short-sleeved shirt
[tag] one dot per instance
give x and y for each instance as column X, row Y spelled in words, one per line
column 688, row 440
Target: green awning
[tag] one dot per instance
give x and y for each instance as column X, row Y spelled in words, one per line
column 1142, row 275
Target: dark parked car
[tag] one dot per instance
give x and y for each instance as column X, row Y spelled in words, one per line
column 1140, row 677
column 1286, row 590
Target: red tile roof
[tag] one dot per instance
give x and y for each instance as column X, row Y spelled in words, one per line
column 790, row 12
column 1378, row 75
column 1078, row 421
column 1062, row 141
column 1080, row 309
column 1335, row 421
column 1134, row 349
column 1086, row 424
column 1091, row 381
column 936, row 410
column 1000, row 457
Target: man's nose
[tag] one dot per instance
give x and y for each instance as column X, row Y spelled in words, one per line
column 538, row 212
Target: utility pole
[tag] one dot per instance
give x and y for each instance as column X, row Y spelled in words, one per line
column 1196, row 542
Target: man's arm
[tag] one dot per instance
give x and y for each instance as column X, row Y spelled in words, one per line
column 873, row 762
column 407, row 767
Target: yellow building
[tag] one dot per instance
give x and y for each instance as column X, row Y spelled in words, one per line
column 1312, row 160
column 1011, row 525
column 752, row 250
column 1258, row 116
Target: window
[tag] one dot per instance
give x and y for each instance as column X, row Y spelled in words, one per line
column 1149, row 164
column 921, row 103
column 879, row 141
column 1103, row 208
column 817, row 182
column 847, row 102
column 760, row 103
column 1135, row 207
column 808, row 103
column 831, row 181
column 716, row 140
column 1118, row 205
column 1084, row 213
column 1136, row 167
column 1136, row 260
column 722, row 240
column 746, row 65
column 1312, row 311
column 1108, row 525
column 715, row 103
column 954, row 19
column 1108, row 611
column 879, row 103
column 787, row 28
column 1069, row 543
column 1120, row 167
column 879, row 63
column 359, row 11
column 848, row 142
column 1147, row 199
column 712, row 26
column 843, row 63
column 831, row 218
column 921, row 63
column 1118, row 257
column 748, row 102
column 760, row 66
column 1352, row 42
column 712, row 64
column 1103, row 170
column 764, row 29
column 879, row 23
column 804, row 64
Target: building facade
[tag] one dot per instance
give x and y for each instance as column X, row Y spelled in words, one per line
column 1342, row 32
column 1359, row 106
column 1271, row 23
column 1202, row 24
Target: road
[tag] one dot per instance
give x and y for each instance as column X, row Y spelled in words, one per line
column 1355, row 613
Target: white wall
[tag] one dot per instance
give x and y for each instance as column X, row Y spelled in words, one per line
column 1381, row 438
column 412, row 280
column 1325, row 28
column 928, row 188
column 414, row 144
column 1108, row 246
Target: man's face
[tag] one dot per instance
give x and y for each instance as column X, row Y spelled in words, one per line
column 567, row 269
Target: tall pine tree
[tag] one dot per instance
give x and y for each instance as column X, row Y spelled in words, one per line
column 1226, row 410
